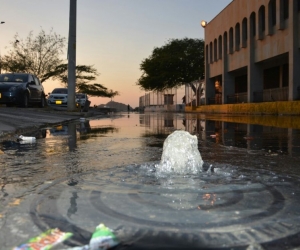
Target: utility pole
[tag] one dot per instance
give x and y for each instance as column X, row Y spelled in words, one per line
column 2, row 22
column 72, row 56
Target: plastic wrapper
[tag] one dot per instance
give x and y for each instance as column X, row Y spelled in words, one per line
column 26, row 139
column 103, row 238
column 45, row 241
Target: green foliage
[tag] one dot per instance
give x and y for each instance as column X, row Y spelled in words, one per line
column 38, row 55
column 41, row 55
column 172, row 65
column 84, row 74
column 96, row 89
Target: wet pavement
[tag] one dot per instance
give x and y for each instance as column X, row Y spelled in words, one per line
column 17, row 120
column 102, row 170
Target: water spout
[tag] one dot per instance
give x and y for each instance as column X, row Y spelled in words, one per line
column 180, row 154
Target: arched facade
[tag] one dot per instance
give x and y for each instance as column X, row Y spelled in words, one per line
column 254, row 53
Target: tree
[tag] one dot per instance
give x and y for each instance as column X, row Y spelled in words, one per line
column 84, row 74
column 172, row 65
column 37, row 55
column 41, row 55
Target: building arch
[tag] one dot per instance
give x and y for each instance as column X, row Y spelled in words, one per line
column 210, row 52
column 284, row 12
column 220, row 47
column 261, row 22
column 237, row 37
column 206, row 54
column 272, row 16
column 215, row 50
column 231, row 40
column 225, row 43
column 253, row 24
column 244, row 32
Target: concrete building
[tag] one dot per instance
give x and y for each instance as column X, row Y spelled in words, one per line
column 169, row 100
column 252, row 52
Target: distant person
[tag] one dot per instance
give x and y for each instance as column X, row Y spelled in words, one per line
column 128, row 108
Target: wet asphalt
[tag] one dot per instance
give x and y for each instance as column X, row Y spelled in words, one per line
column 16, row 121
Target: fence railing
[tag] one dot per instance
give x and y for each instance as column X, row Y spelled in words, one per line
column 215, row 100
column 237, row 98
column 271, row 95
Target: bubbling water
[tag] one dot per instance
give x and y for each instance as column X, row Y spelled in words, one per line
column 180, row 155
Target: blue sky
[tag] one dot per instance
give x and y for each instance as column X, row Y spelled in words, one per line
column 113, row 35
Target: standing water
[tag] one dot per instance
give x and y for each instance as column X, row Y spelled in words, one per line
column 120, row 171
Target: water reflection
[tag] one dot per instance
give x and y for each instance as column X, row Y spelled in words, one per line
column 101, row 168
column 73, row 205
column 267, row 133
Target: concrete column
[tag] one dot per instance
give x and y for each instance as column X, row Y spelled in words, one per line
column 280, row 76
column 294, row 53
column 209, row 83
column 255, row 73
column 227, row 79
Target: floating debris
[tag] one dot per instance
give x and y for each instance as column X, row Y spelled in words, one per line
column 26, row 139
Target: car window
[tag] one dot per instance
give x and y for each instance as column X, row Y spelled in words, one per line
column 80, row 96
column 37, row 82
column 60, row 91
column 30, row 79
column 14, row 78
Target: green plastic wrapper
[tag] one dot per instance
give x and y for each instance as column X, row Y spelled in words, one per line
column 45, row 241
column 103, row 238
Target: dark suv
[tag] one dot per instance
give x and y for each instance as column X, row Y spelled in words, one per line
column 21, row 89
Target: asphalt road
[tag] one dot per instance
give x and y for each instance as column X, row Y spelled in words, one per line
column 14, row 120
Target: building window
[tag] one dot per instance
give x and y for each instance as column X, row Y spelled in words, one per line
column 252, row 24
column 215, row 50
column 272, row 16
column 225, row 40
column 298, row 5
column 244, row 32
column 273, row 12
column 237, row 37
column 285, row 9
column 284, row 12
column 220, row 47
column 261, row 22
column 210, row 53
column 231, row 40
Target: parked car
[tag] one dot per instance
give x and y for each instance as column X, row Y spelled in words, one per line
column 21, row 89
column 58, row 97
column 81, row 99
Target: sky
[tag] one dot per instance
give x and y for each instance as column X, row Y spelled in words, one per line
column 114, row 36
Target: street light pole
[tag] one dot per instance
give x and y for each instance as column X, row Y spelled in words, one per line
column 204, row 24
column 2, row 22
column 72, row 56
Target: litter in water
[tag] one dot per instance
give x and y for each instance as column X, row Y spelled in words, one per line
column 45, row 241
column 26, row 139
column 103, row 238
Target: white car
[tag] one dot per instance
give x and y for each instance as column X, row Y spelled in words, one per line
column 58, row 98
column 81, row 99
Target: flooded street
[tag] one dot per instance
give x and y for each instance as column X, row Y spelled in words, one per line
column 102, row 170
